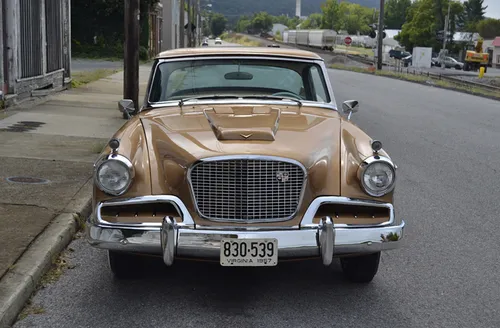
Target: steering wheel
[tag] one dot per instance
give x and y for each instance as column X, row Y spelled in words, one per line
column 287, row 94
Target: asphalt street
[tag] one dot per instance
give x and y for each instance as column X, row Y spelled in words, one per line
column 446, row 146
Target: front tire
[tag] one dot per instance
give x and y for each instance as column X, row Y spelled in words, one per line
column 124, row 265
column 360, row 269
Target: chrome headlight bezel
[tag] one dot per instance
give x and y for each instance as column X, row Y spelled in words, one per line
column 366, row 164
column 122, row 160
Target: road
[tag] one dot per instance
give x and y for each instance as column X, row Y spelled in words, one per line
column 446, row 146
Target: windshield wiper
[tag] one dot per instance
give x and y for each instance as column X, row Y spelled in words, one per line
column 182, row 101
column 274, row 97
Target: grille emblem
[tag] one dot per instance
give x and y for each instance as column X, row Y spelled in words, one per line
column 246, row 136
column 282, row 176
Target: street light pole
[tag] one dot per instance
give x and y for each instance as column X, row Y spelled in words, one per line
column 380, row 37
column 131, row 52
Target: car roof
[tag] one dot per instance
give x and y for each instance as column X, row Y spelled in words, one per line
column 239, row 51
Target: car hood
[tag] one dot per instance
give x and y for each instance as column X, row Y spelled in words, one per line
column 178, row 138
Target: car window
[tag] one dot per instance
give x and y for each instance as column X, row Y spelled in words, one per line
column 318, row 84
column 181, row 79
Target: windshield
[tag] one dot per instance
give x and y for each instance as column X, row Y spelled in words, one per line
column 242, row 77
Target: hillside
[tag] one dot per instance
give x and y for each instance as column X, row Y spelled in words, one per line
column 233, row 8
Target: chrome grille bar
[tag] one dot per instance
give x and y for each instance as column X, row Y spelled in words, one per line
column 252, row 189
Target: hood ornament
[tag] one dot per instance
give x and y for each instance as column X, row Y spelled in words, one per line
column 246, row 136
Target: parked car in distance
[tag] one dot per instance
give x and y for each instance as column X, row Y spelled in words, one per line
column 243, row 159
column 205, row 43
column 218, row 41
column 450, row 62
column 273, row 45
column 407, row 61
column 398, row 54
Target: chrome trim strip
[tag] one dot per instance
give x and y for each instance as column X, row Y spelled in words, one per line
column 174, row 200
column 308, row 218
column 175, row 103
column 187, row 220
column 248, row 157
column 238, row 56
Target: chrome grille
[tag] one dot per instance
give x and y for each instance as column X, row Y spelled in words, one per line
column 247, row 189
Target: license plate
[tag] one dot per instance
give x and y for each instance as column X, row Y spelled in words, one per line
column 249, row 252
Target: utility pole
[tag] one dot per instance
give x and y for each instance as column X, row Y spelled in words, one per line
column 181, row 25
column 445, row 34
column 190, row 21
column 131, row 53
column 380, row 37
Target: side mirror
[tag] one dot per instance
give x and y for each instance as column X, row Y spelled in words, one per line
column 127, row 107
column 349, row 107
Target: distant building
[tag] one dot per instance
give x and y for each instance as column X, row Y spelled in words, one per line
column 35, row 39
column 496, row 52
column 278, row 28
column 171, row 24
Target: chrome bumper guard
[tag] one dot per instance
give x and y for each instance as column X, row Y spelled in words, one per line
column 173, row 239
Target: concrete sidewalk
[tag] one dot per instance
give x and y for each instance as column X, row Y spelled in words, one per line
column 46, row 158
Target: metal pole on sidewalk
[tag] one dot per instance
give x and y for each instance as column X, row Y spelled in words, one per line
column 131, row 53
column 181, row 25
column 190, row 21
column 380, row 37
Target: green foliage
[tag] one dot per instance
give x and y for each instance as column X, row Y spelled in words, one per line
column 489, row 28
column 331, row 15
column 217, row 24
column 424, row 19
column 235, row 8
column 347, row 16
column 104, row 21
column 313, row 21
column 395, row 13
column 262, row 22
column 355, row 18
column 474, row 10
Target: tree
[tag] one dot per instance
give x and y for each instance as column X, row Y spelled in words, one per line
column 473, row 13
column 312, row 22
column 243, row 24
column 331, row 15
column 262, row 22
column 423, row 22
column 355, row 18
column 218, row 24
column 489, row 28
column 395, row 13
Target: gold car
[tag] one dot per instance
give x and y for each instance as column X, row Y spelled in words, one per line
column 241, row 156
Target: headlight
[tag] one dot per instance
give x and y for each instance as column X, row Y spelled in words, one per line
column 377, row 176
column 114, row 174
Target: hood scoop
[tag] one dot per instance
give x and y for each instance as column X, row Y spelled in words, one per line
column 244, row 123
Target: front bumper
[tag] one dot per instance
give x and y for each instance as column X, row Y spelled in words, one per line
column 184, row 239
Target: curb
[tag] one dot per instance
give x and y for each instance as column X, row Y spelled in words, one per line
column 19, row 283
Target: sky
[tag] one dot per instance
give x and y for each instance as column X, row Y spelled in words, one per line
column 493, row 9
